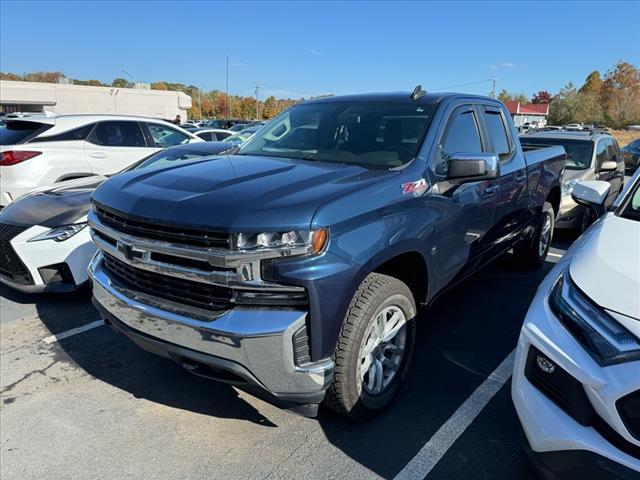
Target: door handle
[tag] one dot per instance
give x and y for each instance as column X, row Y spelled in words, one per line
column 98, row 155
column 521, row 178
column 491, row 189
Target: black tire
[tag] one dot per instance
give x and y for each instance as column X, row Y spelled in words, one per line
column 528, row 255
column 347, row 393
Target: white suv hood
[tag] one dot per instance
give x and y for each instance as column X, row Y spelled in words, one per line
column 606, row 265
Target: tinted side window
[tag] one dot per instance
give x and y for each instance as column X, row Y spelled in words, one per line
column 117, row 134
column 16, row 132
column 612, row 150
column 76, row 134
column 222, row 135
column 206, row 136
column 462, row 135
column 498, row 134
column 166, row 136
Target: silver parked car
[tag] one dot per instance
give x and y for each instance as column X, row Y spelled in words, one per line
column 591, row 155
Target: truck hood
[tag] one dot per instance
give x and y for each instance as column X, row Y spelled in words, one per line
column 234, row 193
column 606, row 265
column 50, row 207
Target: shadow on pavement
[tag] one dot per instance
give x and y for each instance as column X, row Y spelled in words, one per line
column 462, row 338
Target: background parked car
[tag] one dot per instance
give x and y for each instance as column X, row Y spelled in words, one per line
column 590, row 156
column 44, row 243
column 40, row 150
column 210, row 134
column 631, row 154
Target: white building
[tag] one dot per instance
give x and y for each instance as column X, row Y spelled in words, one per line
column 69, row 99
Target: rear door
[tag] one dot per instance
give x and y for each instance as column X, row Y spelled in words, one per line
column 512, row 183
column 114, row 145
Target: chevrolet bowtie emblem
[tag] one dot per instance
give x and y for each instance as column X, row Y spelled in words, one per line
column 130, row 252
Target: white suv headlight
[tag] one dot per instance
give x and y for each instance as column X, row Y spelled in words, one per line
column 601, row 335
column 60, row 234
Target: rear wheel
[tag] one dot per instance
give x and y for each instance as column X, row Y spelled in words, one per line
column 533, row 253
column 374, row 348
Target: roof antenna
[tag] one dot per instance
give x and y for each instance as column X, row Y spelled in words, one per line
column 417, row 93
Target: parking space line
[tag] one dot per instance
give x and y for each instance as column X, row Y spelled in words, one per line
column 74, row 331
column 556, row 255
column 432, row 451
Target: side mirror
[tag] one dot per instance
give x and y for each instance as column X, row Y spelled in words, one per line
column 473, row 167
column 592, row 194
column 608, row 166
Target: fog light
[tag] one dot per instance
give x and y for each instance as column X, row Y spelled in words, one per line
column 544, row 364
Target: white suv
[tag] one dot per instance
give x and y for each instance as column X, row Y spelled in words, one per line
column 39, row 150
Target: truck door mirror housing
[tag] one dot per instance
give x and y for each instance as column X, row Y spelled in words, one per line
column 591, row 194
column 608, row 166
column 473, row 167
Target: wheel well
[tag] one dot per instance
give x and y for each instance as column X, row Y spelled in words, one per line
column 411, row 269
column 554, row 199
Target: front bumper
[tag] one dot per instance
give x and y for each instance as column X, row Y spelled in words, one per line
column 550, row 431
column 241, row 345
column 75, row 252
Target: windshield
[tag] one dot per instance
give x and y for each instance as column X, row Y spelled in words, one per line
column 372, row 135
column 579, row 152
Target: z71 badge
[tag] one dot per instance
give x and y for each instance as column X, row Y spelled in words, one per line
column 417, row 188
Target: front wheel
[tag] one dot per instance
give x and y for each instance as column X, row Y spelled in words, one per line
column 533, row 253
column 374, row 348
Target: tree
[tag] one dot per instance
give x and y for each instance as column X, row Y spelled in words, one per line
column 592, row 84
column 270, row 105
column 542, row 97
column 621, row 94
column 504, row 96
column 159, row 86
column 565, row 105
column 120, row 83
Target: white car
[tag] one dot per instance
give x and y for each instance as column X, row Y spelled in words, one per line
column 576, row 380
column 44, row 243
column 40, row 150
column 211, row 134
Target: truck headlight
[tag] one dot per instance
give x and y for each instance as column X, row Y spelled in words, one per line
column 314, row 241
column 602, row 336
column 60, row 234
column 567, row 187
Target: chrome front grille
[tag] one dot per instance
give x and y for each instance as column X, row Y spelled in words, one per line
column 196, row 294
column 164, row 267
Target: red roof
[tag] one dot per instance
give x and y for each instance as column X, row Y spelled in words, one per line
column 528, row 108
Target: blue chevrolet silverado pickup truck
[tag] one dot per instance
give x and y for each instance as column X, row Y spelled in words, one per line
column 297, row 265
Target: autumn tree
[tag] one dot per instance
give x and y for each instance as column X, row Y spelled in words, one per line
column 621, row 94
column 270, row 106
column 542, row 97
column 159, row 86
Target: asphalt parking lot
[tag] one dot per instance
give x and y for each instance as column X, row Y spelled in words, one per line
column 90, row 404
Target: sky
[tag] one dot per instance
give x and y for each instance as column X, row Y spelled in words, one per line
column 300, row 49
